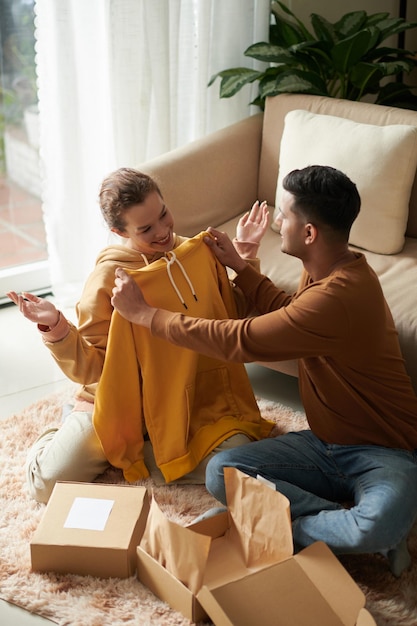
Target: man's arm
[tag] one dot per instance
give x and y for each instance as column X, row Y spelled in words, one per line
column 128, row 300
column 269, row 337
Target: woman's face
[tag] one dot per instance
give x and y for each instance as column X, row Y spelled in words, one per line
column 149, row 226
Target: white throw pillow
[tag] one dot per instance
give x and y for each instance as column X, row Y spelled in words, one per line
column 380, row 160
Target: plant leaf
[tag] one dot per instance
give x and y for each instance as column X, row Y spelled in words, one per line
column 314, row 58
column 232, row 70
column 283, row 33
column 349, row 51
column 293, row 82
column 285, row 9
column 259, row 102
column 375, row 18
column 350, row 23
column 397, row 94
column 393, row 26
column 234, row 79
column 385, row 51
column 263, row 51
column 323, row 29
column 366, row 76
column 374, row 39
column 392, row 68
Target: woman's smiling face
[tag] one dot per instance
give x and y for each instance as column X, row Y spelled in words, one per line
column 149, row 226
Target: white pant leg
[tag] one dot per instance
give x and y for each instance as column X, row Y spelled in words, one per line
column 70, row 453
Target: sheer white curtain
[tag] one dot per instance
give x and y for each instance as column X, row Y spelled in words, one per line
column 121, row 81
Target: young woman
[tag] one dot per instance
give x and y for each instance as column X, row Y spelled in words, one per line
column 133, row 208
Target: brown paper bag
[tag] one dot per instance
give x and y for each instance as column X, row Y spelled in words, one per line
column 261, row 522
column 181, row 551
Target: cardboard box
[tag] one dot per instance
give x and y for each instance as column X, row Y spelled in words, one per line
column 91, row 529
column 307, row 589
column 246, row 572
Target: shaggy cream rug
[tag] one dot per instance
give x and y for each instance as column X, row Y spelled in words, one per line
column 87, row 601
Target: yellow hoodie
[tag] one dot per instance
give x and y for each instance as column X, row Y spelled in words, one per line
column 79, row 350
column 185, row 402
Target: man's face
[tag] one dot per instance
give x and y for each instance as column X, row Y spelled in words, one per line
column 292, row 227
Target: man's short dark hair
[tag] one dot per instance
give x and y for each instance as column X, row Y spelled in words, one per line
column 324, row 196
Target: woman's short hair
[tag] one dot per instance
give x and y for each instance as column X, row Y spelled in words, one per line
column 121, row 190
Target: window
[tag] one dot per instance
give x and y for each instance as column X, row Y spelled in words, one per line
column 23, row 253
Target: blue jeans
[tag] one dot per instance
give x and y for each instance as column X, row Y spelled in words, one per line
column 319, row 479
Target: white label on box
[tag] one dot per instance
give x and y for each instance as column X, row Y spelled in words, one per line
column 89, row 513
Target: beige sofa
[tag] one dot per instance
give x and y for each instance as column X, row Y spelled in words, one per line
column 212, row 181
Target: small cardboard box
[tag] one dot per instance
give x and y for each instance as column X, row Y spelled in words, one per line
column 238, row 567
column 90, row 529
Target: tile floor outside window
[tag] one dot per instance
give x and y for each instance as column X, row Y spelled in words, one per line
column 22, row 232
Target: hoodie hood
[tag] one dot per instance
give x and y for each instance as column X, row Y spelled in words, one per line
column 118, row 255
column 131, row 259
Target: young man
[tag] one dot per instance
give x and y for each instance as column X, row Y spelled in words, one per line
column 352, row 479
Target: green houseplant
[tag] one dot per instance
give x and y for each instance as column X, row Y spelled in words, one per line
column 18, row 89
column 345, row 59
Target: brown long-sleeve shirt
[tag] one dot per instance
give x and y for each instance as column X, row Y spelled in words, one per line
column 353, row 380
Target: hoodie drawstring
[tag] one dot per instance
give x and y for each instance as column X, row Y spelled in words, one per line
column 170, row 260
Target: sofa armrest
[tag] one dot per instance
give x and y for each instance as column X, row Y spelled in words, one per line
column 212, row 179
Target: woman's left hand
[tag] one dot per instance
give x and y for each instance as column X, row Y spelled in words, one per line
column 253, row 225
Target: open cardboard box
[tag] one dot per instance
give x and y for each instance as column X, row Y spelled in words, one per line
column 238, row 567
column 90, row 529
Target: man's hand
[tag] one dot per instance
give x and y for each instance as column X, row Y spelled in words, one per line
column 252, row 226
column 128, row 300
column 35, row 309
column 224, row 249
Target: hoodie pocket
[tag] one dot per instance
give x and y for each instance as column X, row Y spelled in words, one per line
column 210, row 398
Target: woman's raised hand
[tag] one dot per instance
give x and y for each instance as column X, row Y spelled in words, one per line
column 252, row 226
column 35, row 309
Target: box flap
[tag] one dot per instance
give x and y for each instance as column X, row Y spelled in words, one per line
column 365, row 619
column 165, row 586
column 332, row 581
column 278, row 595
column 214, row 608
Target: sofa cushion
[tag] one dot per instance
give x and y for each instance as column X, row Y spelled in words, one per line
column 381, row 160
